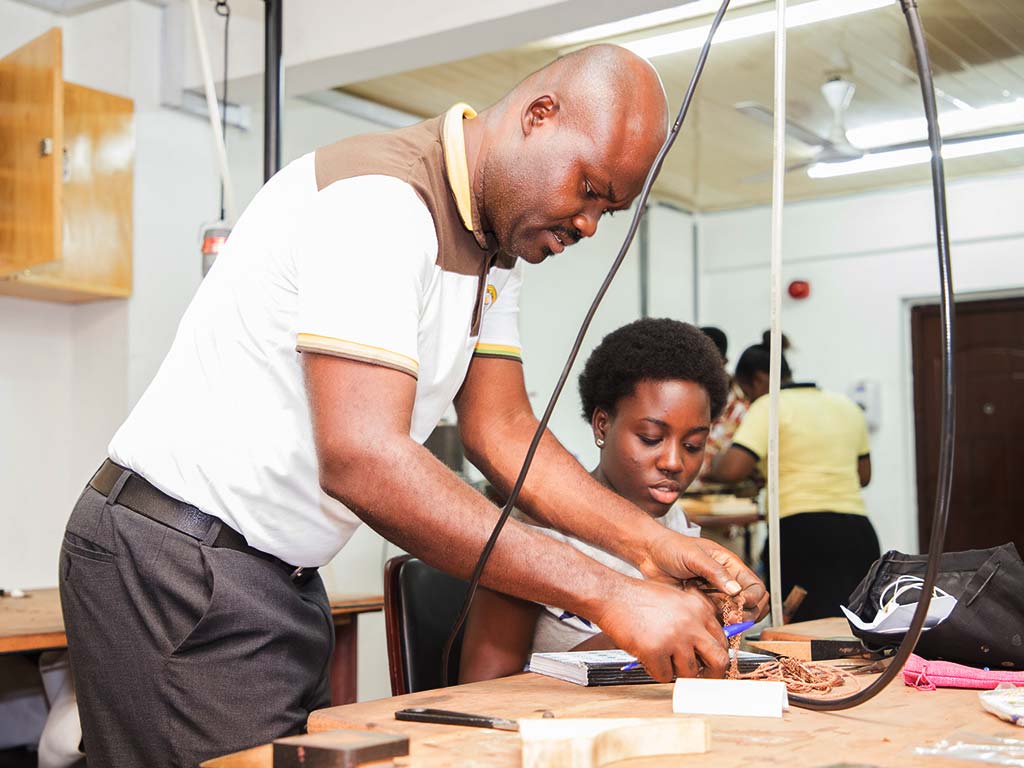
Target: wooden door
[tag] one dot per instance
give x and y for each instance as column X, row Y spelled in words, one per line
column 987, row 502
column 31, row 113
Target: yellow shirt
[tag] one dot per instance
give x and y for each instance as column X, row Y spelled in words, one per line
column 821, row 437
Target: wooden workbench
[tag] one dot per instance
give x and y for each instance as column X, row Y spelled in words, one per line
column 816, row 629
column 345, row 610
column 882, row 732
column 34, row 623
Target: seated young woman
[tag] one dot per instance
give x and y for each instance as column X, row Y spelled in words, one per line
column 650, row 391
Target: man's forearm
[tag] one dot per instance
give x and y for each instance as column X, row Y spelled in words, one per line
column 443, row 521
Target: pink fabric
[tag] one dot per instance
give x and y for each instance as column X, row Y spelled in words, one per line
column 928, row 675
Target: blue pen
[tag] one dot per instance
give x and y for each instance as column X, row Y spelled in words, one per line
column 735, row 629
column 730, row 631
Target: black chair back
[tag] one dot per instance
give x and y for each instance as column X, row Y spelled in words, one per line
column 421, row 604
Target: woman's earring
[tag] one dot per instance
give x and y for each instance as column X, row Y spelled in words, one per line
column 600, row 442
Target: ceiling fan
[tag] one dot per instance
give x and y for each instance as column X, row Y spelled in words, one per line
column 835, row 147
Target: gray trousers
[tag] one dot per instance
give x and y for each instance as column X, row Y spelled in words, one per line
column 181, row 651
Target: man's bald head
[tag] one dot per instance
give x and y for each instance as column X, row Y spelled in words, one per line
column 598, row 81
column 570, row 142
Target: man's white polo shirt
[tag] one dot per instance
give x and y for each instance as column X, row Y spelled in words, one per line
column 367, row 250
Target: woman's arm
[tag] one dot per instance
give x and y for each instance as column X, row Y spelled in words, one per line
column 864, row 469
column 598, row 642
column 732, row 465
column 498, row 637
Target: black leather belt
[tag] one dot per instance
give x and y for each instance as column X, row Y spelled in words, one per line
column 138, row 495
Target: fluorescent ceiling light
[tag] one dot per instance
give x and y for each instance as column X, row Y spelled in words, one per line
column 691, row 10
column 750, row 26
column 897, row 158
column 950, row 123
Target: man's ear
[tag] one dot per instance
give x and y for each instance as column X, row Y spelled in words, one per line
column 539, row 111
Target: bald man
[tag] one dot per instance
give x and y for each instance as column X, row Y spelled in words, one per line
column 367, row 286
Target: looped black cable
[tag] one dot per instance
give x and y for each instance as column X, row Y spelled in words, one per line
column 948, row 426
column 639, row 209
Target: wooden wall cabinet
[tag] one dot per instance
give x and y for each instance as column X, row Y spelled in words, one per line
column 66, row 163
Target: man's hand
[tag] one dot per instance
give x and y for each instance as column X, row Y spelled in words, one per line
column 673, row 632
column 674, row 558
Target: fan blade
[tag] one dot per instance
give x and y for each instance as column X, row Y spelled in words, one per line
column 950, row 140
column 794, row 130
column 758, row 178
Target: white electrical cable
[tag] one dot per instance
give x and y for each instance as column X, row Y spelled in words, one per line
column 213, row 110
column 775, row 271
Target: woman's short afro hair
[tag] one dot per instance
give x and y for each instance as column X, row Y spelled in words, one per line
column 657, row 349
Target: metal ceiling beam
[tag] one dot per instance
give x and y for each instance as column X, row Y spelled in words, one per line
column 71, row 7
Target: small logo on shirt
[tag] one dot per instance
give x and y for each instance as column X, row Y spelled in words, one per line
column 490, row 296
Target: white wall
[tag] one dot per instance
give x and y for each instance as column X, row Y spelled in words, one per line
column 670, row 291
column 69, row 373
column 867, row 258
column 304, row 127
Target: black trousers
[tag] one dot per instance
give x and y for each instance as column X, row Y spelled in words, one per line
column 181, row 651
column 826, row 553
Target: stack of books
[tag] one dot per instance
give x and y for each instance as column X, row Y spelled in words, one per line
column 606, row 667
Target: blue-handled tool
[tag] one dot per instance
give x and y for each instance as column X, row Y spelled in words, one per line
column 731, row 630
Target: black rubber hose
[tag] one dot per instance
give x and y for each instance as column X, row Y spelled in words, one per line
column 948, row 424
column 948, row 427
column 639, row 210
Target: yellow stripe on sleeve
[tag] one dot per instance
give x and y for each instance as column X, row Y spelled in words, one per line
column 499, row 350
column 353, row 350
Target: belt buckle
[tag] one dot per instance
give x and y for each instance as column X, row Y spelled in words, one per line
column 297, row 573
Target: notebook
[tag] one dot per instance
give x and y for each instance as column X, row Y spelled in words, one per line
column 605, row 667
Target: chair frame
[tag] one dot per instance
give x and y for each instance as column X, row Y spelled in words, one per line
column 393, row 623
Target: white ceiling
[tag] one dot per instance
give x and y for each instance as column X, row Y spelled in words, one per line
column 977, row 51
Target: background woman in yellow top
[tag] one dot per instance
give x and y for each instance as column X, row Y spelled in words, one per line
column 827, row 541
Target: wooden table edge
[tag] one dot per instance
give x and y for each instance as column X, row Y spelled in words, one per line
column 47, row 641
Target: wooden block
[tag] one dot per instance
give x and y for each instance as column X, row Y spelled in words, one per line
column 338, row 749
column 794, row 649
column 814, row 650
column 792, row 603
column 596, row 742
column 746, row 698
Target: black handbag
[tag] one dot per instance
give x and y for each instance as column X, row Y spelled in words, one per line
column 985, row 629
